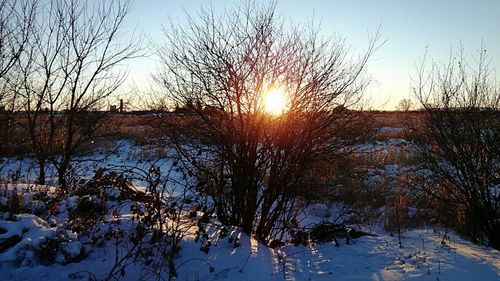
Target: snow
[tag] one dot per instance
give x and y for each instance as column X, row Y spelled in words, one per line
column 383, row 146
column 390, row 130
column 70, row 251
column 116, row 154
column 425, row 255
column 370, row 258
column 321, row 211
column 31, row 230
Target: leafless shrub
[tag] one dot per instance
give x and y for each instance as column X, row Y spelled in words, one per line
column 217, row 70
column 163, row 214
column 459, row 141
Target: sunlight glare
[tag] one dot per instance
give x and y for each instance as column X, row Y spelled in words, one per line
column 275, row 101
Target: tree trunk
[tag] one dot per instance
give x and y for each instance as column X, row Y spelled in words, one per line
column 41, row 171
column 250, row 210
column 63, row 169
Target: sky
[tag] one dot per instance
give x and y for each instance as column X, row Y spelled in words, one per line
column 409, row 27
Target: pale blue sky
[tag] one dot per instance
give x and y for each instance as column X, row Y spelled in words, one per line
column 409, row 26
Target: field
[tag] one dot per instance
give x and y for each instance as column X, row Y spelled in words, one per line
column 88, row 234
column 185, row 140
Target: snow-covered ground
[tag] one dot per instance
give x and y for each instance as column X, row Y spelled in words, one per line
column 424, row 257
column 428, row 253
column 120, row 154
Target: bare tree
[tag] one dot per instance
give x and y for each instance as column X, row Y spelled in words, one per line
column 70, row 66
column 253, row 163
column 460, row 141
column 16, row 22
column 405, row 105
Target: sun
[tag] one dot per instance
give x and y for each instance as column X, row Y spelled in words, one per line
column 275, row 101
